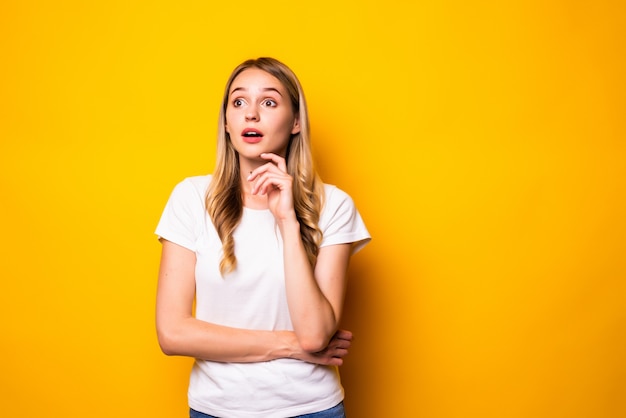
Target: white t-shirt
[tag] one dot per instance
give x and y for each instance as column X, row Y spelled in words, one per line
column 253, row 297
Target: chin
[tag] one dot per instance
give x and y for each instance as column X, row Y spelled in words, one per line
column 251, row 155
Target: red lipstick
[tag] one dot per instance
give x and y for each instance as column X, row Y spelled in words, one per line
column 251, row 136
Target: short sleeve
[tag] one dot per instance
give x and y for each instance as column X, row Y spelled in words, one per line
column 181, row 219
column 341, row 222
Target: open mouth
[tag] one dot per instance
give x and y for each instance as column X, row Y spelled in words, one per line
column 252, row 135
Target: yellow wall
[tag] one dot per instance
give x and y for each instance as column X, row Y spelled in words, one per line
column 484, row 143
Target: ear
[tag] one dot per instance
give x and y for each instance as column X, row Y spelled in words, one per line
column 296, row 125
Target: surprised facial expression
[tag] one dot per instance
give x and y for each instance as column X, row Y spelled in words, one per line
column 259, row 114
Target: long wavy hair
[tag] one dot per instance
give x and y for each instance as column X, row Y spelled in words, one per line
column 224, row 199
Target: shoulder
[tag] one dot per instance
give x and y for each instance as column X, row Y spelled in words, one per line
column 335, row 197
column 340, row 221
column 191, row 188
column 183, row 216
column 198, row 184
column 190, row 193
column 337, row 204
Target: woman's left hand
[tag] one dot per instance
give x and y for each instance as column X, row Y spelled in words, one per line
column 272, row 179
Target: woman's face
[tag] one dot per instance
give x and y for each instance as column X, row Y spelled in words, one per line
column 259, row 115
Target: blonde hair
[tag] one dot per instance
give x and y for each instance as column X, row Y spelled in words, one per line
column 224, row 200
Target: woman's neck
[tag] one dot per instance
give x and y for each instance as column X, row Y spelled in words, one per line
column 251, row 201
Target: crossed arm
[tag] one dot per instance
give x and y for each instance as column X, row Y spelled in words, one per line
column 315, row 300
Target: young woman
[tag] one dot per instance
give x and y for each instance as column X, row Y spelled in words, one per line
column 262, row 246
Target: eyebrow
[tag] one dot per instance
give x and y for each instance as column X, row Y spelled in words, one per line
column 264, row 89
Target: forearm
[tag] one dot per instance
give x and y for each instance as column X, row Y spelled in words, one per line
column 312, row 315
column 179, row 333
column 199, row 339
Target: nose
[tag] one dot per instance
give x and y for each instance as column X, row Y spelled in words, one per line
column 252, row 114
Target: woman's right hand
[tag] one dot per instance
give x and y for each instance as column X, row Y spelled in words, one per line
column 334, row 352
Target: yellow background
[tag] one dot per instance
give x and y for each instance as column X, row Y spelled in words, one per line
column 483, row 142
